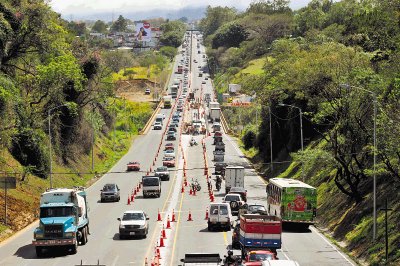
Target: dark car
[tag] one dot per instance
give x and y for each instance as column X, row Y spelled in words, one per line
column 220, row 169
column 172, row 128
column 239, row 190
column 110, row 192
column 171, row 135
column 236, row 235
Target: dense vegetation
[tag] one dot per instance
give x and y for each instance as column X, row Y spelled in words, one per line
column 332, row 60
column 48, row 74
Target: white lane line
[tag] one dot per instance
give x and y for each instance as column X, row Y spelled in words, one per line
column 115, row 260
column 284, row 253
column 330, row 244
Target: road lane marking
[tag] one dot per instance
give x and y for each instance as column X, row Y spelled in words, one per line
column 330, row 244
column 284, row 254
column 155, row 230
column 115, row 260
column 177, row 229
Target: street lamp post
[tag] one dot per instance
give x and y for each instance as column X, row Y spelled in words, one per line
column 50, row 154
column 301, row 130
column 375, row 152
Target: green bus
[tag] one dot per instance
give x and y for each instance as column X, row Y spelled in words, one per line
column 292, row 200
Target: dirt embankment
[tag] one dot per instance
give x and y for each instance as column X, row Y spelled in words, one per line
column 134, row 90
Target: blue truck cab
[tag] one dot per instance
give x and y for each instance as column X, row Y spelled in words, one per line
column 63, row 221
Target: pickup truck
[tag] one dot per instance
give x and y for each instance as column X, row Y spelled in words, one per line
column 162, row 172
column 260, row 232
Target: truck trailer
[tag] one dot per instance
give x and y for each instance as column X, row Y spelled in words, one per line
column 63, row 220
column 234, row 177
column 260, row 232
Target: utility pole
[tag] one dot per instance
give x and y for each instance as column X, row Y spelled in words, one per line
column 270, row 137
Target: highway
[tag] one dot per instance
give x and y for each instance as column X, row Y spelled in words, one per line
column 104, row 246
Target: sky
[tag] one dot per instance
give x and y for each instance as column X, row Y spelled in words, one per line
column 70, row 7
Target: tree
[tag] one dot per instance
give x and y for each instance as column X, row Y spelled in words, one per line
column 120, row 25
column 100, row 26
column 229, row 35
column 215, row 18
column 269, row 7
column 77, row 28
column 168, row 51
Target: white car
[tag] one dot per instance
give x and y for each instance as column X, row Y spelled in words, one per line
column 235, row 201
column 157, row 126
column 133, row 223
column 169, row 153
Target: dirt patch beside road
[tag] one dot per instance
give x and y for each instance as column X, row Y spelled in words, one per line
column 134, row 90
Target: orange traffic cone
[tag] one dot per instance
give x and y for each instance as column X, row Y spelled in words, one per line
column 161, row 242
column 190, row 217
column 206, row 214
column 163, row 232
column 194, row 192
column 129, row 201
column 159, row 216
column 212, row 198
column 168, row 223
column 183, row 189
column 190, row 191
column 173, row 216
column 158, row 254
column 186, row 183
column 132, row 197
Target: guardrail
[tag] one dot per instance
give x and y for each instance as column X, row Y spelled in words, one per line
column 224, row 124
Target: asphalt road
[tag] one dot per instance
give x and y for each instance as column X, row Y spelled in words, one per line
column 104, row 246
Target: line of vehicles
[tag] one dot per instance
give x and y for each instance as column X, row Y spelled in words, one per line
column 257, row 229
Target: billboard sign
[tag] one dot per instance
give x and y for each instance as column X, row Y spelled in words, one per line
column 143, row 31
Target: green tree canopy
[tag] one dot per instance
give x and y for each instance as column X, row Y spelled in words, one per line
column 100, row 26
column 119, row 25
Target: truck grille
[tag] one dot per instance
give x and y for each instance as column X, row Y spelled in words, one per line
column 132, row 226
column 53, row 231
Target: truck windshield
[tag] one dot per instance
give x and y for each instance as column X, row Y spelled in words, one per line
column 132, row 216
column 260, row 257
column 150, row 181
column 56, row 212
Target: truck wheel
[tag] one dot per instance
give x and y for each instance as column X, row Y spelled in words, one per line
column 84, row 236
column 39, row 251
column 74, row 248
column 209, row 228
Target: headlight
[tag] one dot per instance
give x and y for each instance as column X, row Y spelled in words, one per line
column 142, row 226
column 38, row 235
column 70, row 234
column 121, row 226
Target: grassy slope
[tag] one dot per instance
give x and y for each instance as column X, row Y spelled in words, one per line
column 347, row 223
column 23, row 201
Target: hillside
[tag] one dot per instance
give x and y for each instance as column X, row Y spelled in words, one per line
column 321, row 65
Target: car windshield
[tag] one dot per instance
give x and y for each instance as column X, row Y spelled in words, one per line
column 56, row 212
column 109, row 187
column 232, row 198
column 161, row 169
column 132, row 216
column 255, row 208
column 150, row 181
column 260, row 257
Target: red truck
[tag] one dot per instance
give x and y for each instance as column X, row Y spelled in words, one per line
column 260, row 232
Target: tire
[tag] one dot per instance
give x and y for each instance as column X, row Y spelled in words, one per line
column 39, row 251
column 121, row 236
column 101, row 200
column 74, row 248
column 228, row 228
column 84, row 236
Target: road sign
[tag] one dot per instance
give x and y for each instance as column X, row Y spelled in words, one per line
column 8, row 182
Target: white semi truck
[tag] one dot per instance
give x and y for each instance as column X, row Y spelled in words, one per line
column 63, row 220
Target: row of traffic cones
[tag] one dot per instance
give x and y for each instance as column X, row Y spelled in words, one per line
column 131, row 197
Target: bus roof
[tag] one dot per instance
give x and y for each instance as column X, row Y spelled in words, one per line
column 288, row 182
